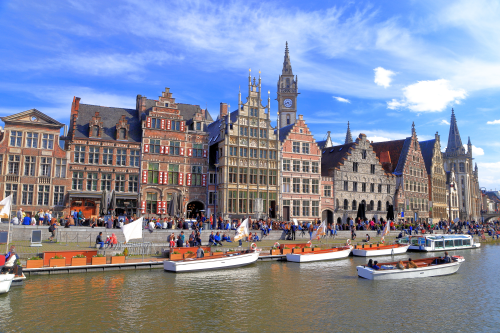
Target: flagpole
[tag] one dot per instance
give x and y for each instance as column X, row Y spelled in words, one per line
column 8, row 232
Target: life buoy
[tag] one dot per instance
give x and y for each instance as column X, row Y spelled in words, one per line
column 276, row 245
column 253, row 246
column 348, row 242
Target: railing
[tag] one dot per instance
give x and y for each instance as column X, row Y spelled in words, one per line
column 43, row 180
column 12, row 178
column 288, row 90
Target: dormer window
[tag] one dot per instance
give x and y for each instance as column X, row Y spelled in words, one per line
column 95, row 126
column 95, row 131
column 122, row 134
column 198, row 126
column 122, row 128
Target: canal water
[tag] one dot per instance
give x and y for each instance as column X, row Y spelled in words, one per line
column 263, row 297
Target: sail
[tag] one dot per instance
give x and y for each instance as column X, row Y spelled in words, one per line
column 133, row 230
column 6, row 205
column 386, row 230
column 242, row 231
column 321, row 231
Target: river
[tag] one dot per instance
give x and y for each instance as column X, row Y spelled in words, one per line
column 263, row 297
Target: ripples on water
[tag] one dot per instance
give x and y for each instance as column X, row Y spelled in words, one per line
column 264, row 297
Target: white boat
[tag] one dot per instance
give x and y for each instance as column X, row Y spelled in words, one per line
column 426, row 268
column 328, row 254
column 5, row 282
column 432, row 243
column 383, row 250
column 210, row 263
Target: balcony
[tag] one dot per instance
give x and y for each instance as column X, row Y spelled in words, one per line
column 43, row 180
column 12, row 178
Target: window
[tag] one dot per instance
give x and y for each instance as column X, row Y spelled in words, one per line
column 272, row 177
column 61, row 168
column 288, row 121
column 363, row 187
column 243, row 130
column 372, row 169
column 355, row 186
column 379, row 205
column 16, row 138
column 212, row 198
column 315, row 208
column 31, row 140
column 233, row 175
column 296, row 185
column 243, row 152
column 363, row 154
column 231, row 204
column 346, row 204
column 122, row 134
column 134, row 158
column 45, row 166
column 77, row 183
column 29, row 165
column 253, row 176
column 27, row 194
column 462, row 167
column 263, row 133
column 95, row 131
column 253, row 153
column 43, row 195
column 305, row 167
column 372, row 188
column 286, row 185
column 173, row 174
column 176, row 125
column 1, row 162
column 106, row 182
column 371, row 206
column 14, row 164
column 254, row 132
column 296, row 166
column 133, row 183
column 153, row 173
column 263, row 153
column 315, row 167
column 48, row 141
column 254, row 112
column 120, row 183
column 355, row 166
column 346, row 185
column 79, row 154
column 388, row 188
column 305, row 148
column 94, row 155
column 272, row 154
column 315, row 186
column 121, row 157
column 155, row 123
column 11, row 189
column 198, row 126
column 379, row 188
column 305, row 185
column 296, row 208
column 58, row 195
column 296, row 147
column 243, row 202
column 196, row 171
column 286, row 165
column 262, row 177
column 91, row 181
column 327, row 190
column 151, row 202
column 354, row 205
column 197, row 150
column 233, row 151
column 305, row 208
column 174, row 147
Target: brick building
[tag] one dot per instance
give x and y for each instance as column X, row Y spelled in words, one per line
column 33, row 166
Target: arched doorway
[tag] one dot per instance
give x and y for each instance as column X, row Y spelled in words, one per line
column 194, row 208
column 327, row 216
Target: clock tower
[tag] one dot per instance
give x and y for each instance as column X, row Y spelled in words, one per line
column 287, row 94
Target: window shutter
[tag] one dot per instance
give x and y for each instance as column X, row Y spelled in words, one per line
column 181, row 127
column 148, row 122
column 143, row 207
column 160, row 177
column 203, row 180
column 190, row 152
column 169, row 124
column 181, row 151
column 165, row 178
column 188, row 179
column 162, row 124
column 144, row 176
column 164, row 207
column 162, row 150
column 181, row 178
column 158, row 207
column 167, row 150
column 205, row 153
column 146, row 148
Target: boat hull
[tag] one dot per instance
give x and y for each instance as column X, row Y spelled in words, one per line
column 311, row 256
column 396, row 274
column 211, row 264
column 5, row 282
column 382, row 252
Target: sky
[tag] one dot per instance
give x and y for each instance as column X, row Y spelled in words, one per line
column 380, row 65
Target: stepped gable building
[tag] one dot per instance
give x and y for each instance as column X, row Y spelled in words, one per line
column 244, row 149
column 104, row 145
column 458, row 158
column 359, row 179
column 174, row 157
column 403, row 158
column 33, row 166
column 433, row 158
column 301, row 181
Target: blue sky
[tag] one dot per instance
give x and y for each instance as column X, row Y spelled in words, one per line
column 380, row 65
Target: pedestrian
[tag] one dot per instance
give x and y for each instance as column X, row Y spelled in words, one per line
column 294, row 229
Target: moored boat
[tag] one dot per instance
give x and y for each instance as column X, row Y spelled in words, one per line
column 433, row 243
column 326, row 254
column 380, row 250
column 5, row 282
column 425, row 268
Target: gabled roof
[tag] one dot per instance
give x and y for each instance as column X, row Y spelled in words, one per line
column 321, row 144
column 427, row 148
column 26, row 117
column 333, row 157
column 394, row 149
column 284, row 131
column 187, row 111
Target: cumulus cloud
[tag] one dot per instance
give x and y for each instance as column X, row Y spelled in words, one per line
column 428, row 96
column 444, row 122
column 489, row 173
column 383, row 77
column 377, row 138
column 476, row 151
column 341, row 99
column 494, row 122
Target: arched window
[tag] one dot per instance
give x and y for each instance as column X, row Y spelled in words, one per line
column 379, row 205
column 288, row 119
column 288, row 83
column 462, row 167
column 122, row 134
column 95, row 131
column 387, row 205
column 372, row 205
column 346, row 204
column 363, row 202
column 354, row 205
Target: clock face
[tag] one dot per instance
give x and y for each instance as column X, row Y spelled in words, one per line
column 287, row 102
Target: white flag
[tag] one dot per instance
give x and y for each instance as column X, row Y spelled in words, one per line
column 386, row 230
column 133, row 230
column 242, row 231
column 5, row 204
column 321, row 231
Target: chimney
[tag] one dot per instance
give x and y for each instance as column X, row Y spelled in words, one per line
column 223, row 109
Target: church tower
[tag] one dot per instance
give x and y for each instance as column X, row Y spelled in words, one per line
column 287, row 93
column 348, row 136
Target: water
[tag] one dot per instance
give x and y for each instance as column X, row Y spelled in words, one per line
column 264, row 297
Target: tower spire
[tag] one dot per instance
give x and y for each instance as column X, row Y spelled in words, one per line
column 454, row 140
column 348, row 136
column 287, row 65
column 413, row 128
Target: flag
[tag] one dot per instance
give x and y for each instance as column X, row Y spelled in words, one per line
column 133, row 230
column 386, row 230
column 321, row 231
column 5, row 205
column 242, row 231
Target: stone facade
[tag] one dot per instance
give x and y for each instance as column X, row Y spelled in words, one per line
column 452, row 198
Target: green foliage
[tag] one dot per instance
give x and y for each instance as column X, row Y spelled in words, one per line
column 58, row 257
column 79, row 256
column 119, row 255
column 35, row 258
column 176, row 252
column 189, row 252
column 297, row 247
column 99, row 255
column 125, row 252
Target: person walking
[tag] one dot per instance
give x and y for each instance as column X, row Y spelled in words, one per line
column 294, row 229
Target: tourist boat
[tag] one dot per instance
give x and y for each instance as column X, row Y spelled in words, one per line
column 231, row 260
column 431, row 243
column 382, row 250
column 327, row 254
column 5, row 282
column 426, row 268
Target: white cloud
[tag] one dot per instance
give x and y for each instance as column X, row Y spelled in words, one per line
column 494, row 122
column 444, row 122
column 428, row 96
column 489, row 173
column 383, row 77
column 377, row 138
column 476, row 151
column 341, row 99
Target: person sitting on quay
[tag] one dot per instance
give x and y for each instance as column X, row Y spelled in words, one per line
column 171, row 240
column 217, row 239
column 192, row 239
column 411, row 264
column 180, row 240
column 52, row 230
column 226, row 238
column 98, row 240
column 255, row 237
column 198, row 238
column 200, row 253
column 113, row 241
column 211, row 239
column 367, row 238
column 158, row 224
